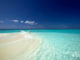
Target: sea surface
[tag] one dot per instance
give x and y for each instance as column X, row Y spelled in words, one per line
column 57, row 44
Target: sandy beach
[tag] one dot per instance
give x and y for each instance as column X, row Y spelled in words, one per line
column 13, row 45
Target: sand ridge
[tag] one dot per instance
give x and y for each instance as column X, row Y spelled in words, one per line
column 11, row 46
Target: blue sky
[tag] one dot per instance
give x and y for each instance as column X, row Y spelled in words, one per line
column 41, row 14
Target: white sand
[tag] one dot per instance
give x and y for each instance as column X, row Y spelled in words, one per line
column 13, row 45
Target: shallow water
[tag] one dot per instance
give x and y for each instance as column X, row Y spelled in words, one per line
column 55, row 45
column 62, row 44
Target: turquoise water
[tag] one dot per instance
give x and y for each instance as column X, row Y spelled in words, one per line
column 56, row 44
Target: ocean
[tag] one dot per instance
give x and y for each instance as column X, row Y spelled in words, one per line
column 56, row 44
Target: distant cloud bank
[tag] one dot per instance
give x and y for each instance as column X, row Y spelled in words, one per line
column 25, row 22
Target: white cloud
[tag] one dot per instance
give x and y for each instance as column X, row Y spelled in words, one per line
column 30, row 22
column 21, row 21
column 16, row 21
column 26, row 22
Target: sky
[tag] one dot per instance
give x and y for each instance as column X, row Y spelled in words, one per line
column 39, row 14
